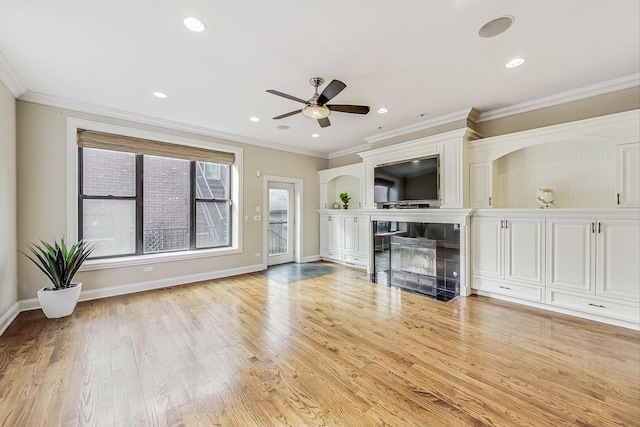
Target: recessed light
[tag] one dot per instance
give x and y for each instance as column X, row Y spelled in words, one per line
column 496, row 26
column 283, row 127
column 159, row 94
column 254, row 119
column 315, row 135
column 515, row 62
column 382, row 110
column 194, row 24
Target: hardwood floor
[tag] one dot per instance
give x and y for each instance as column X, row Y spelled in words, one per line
column 330, row 350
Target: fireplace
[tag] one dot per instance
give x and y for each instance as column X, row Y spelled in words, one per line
column 422, row 258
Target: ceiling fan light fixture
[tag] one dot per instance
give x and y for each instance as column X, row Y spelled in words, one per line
column 316, row 111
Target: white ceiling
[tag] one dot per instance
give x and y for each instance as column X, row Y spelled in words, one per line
column 410, row 56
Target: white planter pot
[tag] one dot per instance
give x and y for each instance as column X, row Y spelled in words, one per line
column 60, row 303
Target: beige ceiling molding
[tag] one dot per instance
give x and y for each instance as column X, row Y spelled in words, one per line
column 9, row 78
column 562, row 98
column 347, row 151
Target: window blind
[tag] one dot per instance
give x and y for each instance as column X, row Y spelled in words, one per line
column 107, row 141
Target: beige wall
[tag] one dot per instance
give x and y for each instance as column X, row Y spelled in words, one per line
column 601, row 105
column 8, row 253
column 42, row 203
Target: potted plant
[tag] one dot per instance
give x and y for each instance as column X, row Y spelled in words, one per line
column 345, row 200
column 59, row 263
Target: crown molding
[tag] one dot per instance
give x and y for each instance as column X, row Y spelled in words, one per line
column 53, row 101
column 9, row 78
column 350, row 150
column 562, row 97
column 422, row 125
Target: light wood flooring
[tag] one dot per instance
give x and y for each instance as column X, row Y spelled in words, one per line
column 327, row 351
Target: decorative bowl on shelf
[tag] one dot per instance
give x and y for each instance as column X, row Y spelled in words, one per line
column 545, row 197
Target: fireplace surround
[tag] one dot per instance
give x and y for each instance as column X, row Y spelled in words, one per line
column 418, row 257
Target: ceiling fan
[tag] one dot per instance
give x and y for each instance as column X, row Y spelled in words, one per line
column 317, row 107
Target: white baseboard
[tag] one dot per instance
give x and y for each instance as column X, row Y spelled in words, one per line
column 312, row 258
column 8, row 317
column 33, row 304
column 574, row 313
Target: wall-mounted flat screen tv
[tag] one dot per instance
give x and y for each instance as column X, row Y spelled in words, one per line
column 412, row 183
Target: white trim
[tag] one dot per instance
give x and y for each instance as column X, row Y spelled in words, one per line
column 346, row 151
column 562, row 97
column 9, row 78
column 8, row 317
column 423, row 125
column 568, row 312
column 312, row 258
column 298, row 189
column 33, row 304
column 53, row 101
column 73, row 124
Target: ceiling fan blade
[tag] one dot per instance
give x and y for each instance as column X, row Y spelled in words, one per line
column 355, row 109
column 334, row 88
column 324, row 122
column 284, row 95
column 287, row 115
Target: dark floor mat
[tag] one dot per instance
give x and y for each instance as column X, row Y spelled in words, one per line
column 290, row 273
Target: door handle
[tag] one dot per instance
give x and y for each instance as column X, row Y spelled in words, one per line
column 599, row 228
column 504, row 287
column 489, row 201
column 593, row 227
column 597, row 305
column 618, row 196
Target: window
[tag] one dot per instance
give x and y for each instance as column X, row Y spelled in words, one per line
column 136, row 204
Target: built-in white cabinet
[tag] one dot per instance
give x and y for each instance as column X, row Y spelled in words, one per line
column 595, row 256
column 560, row 259
column 628, row 175
column 481, row 185
column 507, row 256
column 356, row 239
column 344, row 238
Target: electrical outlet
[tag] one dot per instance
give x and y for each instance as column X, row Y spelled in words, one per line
column 246, row 218
column 148, row 268
column 257, row 254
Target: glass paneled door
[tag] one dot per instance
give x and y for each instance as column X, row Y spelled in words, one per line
column 280, row 235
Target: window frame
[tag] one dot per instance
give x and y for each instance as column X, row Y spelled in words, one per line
column 73, row 195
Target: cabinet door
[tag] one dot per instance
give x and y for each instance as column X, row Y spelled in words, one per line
column 325, row 232
column 481, row 185
column 337, row 233
column 628, row 175
column 618, row 259
column 524, row 250
column 350, row 234
column 486, row 247
column 451, row 175
column 364, row 232
column 570, row 246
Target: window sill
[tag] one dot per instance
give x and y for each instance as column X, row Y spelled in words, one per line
column 128, row 261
